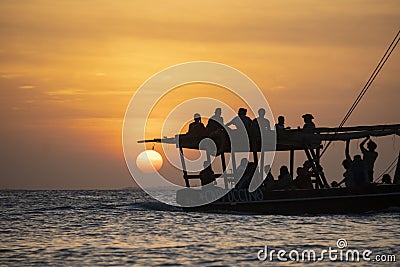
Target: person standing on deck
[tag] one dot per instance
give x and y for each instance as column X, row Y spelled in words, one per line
column 241, row 120
column 260, row 126
column 369, row 157
column 357, row 167
column 309, row 125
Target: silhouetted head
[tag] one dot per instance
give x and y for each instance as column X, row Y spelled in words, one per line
column 308, row 117
column 261, row 113
column 386, row 179
column 299, row 171
column 244, row 162
column 307, row 165
column 218, row 112
column 357, row 158
column 281, row 120
column 283, row 170
column 242, row 112
column 346, row 164
column 197, row 117
column 372, row 145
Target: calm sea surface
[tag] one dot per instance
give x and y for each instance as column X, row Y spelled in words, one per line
column 124, row 228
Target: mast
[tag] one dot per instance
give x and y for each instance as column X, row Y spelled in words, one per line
column 396, row 178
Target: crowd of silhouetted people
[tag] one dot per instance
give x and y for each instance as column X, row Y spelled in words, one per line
column 359, row 170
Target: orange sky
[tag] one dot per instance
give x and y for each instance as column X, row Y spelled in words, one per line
column 69, row 68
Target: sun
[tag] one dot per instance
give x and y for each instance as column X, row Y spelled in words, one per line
column 149, row 161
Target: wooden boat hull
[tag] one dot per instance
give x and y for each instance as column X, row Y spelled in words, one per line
column 316, row 201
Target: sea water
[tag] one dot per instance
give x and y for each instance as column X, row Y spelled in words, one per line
column 125, row 228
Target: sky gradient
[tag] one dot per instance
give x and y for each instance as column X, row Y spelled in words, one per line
column 69, row 68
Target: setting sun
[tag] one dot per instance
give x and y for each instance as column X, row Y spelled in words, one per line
column 149, row 161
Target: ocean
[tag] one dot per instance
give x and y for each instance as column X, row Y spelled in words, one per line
column 126, row 228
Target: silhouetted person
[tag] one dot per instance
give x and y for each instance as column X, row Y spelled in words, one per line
column 357, row 167
column 245, row 180
column 241, row 120
column 369, row 157
column 260, row 126
column 285, row 180
column 348, row 177
column 241, row 168
column 216, row 122
column 281, row 124
column 269, row 181
column 197, row 128
column 303, row 179
column 309, row 125
column 217, row 132
column 386, row 179
column 261, row 123
column 207, row 174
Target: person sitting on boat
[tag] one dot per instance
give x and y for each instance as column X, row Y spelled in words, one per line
column 207, row 174
column 386, row 179
column 269, row 181
column 303, row 179
column 285, row 180
column 217, row 132
column 248, row 173
column 281, row 124
column 241, row 121
column 348, row 179
column 197, row 128
column 309, row 125
column 216, row 122
column 369, row 157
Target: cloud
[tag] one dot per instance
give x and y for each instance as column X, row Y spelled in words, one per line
column 27, row 87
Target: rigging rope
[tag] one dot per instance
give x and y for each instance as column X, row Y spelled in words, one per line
column 389, row 169
column 381, row 63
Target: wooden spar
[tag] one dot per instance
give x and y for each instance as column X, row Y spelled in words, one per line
column 224, row 170
column 396, row 178
column 185, row 174
column 169, row 140
column 295, row 139
column 357, row 128
column 262, row 165
column 291, row 163
column 233, row 158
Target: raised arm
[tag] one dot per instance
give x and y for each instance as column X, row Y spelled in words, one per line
column 347, row 150
column 363, row 143
column 230, row 123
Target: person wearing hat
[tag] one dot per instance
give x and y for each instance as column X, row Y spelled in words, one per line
column 309, row 125
column 197, row 128
column 369, row 157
